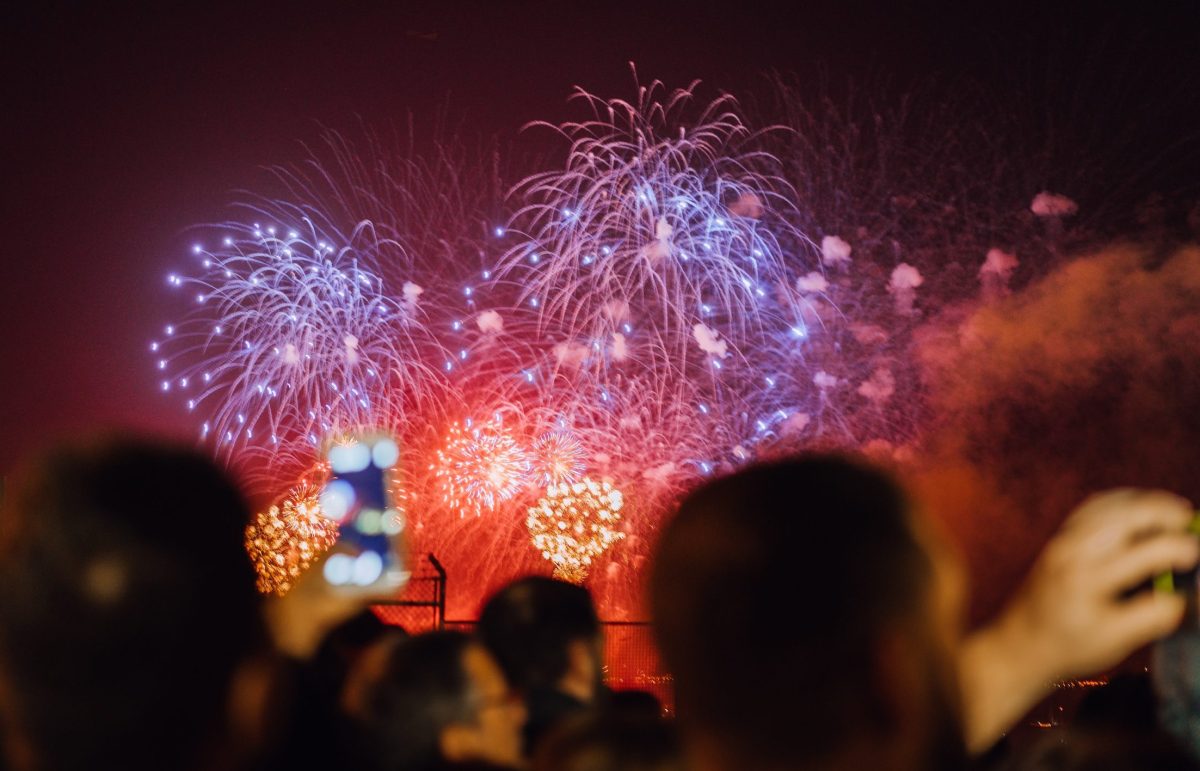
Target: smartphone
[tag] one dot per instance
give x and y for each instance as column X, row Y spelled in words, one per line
column 358, row 497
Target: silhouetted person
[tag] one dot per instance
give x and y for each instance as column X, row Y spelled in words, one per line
column 546, row 636
column 440, row 699
column 808, row 623
column 869, row 669
column 324, row 693
column 130, row 632
column 341, row 648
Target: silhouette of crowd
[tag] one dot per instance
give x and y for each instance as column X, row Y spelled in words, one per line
column 811, row 615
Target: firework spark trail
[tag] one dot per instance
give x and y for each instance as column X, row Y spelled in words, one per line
column 434, row 204
column 651, row 261
column 356, row 261
column 286, row 539
column 648, row 220
column 293, row 337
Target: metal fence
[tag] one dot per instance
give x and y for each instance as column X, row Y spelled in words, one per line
column 421, row 607
column 631, row 658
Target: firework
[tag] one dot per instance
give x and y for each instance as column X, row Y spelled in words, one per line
column 294, row 337
column 573, row 525
column 653, row 311
column 558, row 458
column 479, row 466
column 325, row 308
column 287, row 538
column 648, row 220
column 649, row 267
column 651, row 314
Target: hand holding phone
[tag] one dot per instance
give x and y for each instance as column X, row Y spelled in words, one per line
column 1181, row 582
column 366, row 557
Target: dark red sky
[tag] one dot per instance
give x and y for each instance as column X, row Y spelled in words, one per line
column 123, row 126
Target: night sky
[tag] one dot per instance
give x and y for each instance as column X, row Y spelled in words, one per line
column 125, row 126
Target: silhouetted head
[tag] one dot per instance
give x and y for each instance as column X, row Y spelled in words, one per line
column 441, row 698
column 535, row 626
column 804, row 614
column 127, row 610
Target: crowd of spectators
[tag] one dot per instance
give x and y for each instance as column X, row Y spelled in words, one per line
column 132, row 638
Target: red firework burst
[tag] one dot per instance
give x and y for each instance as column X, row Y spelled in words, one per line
column 479, row 466
column 558, row 459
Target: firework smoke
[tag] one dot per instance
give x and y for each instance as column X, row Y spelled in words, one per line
column 1086, row 380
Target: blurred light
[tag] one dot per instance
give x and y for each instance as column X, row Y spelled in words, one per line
column 367, row 568
column 369, row 522
column 349, row 458
column 338, row 569
column 385, row 453
column 337, row 499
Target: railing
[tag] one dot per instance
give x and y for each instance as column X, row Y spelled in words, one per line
column 421, row 607
column 631, row 657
